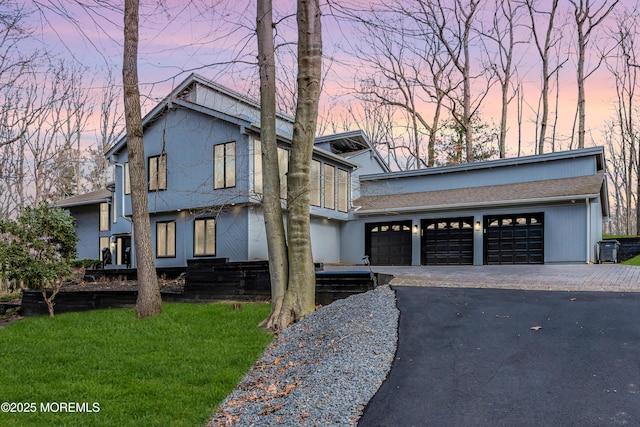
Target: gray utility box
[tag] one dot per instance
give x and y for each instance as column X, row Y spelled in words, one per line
column 608, row 251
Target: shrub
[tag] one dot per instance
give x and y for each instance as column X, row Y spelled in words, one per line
column 38, row 248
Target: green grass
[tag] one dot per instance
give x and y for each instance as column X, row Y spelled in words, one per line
column 170, row 370
column 633, row 261
column 616, row 236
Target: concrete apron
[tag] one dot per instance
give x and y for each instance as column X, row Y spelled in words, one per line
column 558, row 277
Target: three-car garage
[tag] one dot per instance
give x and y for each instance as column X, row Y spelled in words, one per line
column 506, row 239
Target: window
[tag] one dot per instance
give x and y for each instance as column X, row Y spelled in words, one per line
column 343, row 190
column 283, row 164
column 158, row 173
column 329, row 187
column 257, row 166
column 127, row 179
column 104, row 243
column 104, row 216
column 204, row 237
column 314, row 183
column 166, row 239
column 114, row 213
column 224, row 165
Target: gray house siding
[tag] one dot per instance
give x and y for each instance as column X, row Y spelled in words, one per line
column 451, row 177
column 231, row 235
column 189, row 141
column 565, row 231
column 87, row 225
column 325, row 238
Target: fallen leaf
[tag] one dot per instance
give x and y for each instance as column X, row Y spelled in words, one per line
column 272, row 388
column 288, row 388
column 277, row 361
column 535, row 328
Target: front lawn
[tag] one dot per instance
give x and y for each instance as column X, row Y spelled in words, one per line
column 108, row 368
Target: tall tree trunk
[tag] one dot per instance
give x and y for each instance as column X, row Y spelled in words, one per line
column 299, row 300
column 271, row 206
column 149, row 302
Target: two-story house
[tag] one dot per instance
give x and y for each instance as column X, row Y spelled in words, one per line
column 204, row 187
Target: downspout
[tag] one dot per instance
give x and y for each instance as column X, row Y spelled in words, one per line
column 588, row 205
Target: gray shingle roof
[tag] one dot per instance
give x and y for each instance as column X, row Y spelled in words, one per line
column 97, row 196
column 524, row 192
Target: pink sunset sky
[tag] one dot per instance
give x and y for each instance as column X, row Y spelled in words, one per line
column 215, row 39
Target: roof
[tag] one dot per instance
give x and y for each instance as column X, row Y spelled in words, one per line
column 598, row 152
column 350, row 144
column 563, row 189
column 94, row 197
column 175, row 97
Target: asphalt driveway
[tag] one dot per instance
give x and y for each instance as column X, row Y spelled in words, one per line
column 504, row 357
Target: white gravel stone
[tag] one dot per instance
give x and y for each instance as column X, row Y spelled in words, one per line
column 321, row 371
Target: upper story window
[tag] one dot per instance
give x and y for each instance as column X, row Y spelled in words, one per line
column 336, row 183
column 283, row 167
column 224, row 165
column 104, row 216
column 166, row 239
column 257, row 166
column 329, row 186
column 158, row 173
column 127, row 179
column 314, row 183
column 343, row 190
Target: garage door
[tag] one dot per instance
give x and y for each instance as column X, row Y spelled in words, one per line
column 514, row 239
column 447, row 241
column 388, row 243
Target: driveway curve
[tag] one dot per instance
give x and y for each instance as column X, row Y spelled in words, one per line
column 504, row 357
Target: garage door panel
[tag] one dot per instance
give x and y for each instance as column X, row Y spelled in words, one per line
column 514, row 239
column 447, row 241
column 388, row 243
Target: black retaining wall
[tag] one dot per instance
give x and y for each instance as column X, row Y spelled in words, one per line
column 629, row 247
column 207, row 280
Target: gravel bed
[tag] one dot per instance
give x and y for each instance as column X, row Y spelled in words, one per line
column 321, row 371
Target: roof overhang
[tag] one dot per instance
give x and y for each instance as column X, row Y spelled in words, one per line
column 475, row 205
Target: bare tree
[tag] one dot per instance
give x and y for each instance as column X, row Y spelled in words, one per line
column 452, row 22
column 298, row 299
column 625, row 73
column 271, row 204
column 503, row 30
column 587, row 19
column 410, row 73
column 149, row 302
column 110, row 131
column 17, row 111
column 544, row 44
